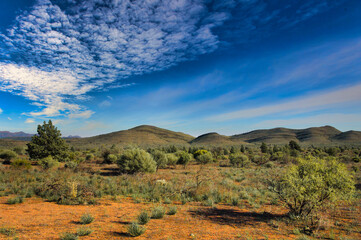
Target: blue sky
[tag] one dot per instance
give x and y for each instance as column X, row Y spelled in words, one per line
column 194, row 66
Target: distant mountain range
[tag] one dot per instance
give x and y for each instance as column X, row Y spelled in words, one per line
column 150, row 135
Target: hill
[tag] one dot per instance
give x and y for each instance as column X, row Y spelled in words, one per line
column 141, row 135
column 215, row 139
column 314, row 135
column 14, row 135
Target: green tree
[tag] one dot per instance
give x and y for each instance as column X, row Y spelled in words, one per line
column 294, row 145
column 47, row 142
column 312, row 183
column 264, row 148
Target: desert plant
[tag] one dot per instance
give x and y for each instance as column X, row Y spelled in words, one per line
column 158, row 212
column 135, row 230
column 8, row 231
column 48, row 163
column 238, row 160
column 84, row 231
column 172, row 159
column 15, row 200
column 305, row 187
column 7, row 155
column 68, row 236
column 136, row 160
column 203, row 156
column 143, row 218
column 21, row 163
column 160, row 158
column 47, row 142
column 87, row 218
column 172, row 210
column 183, row 158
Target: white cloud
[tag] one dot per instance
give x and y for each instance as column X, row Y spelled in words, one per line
column 309, row 103
column 105, row 103
column 85, row 114
column 9, row 118
column 29, row 120
column 1, row 111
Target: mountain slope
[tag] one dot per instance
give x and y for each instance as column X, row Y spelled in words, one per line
column 214, row 139
column 141, row 135
column 7, row 134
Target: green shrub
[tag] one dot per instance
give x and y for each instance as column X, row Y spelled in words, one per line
column 160, row 158
column 87, row 218
column 15, row 200
column 8, row 231
column 183, row 158
column 71, row 165
column 203, row 156
column 19, row 150
column 172, row 159
column 143, row 218
column 172, row 210
column 21, row 163
column 84, row 231
column 238, row 160
column 48, row 163
column 305, row 187
column 89, row 157
column 135, row 230
column 158, row 212
column 136, row 160
column 7, row 155
column 69, row 236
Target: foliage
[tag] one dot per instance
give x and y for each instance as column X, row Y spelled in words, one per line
column 203, row 156
column 48, row 163
column 158, row 212
column 172, row 210
column 135, row 230
column 7, row 155
column 294, row 145
column 136, row 160
column 264, row 148
column 143, row 218
column 87, row 218
column 69, row 236
column 184, row 158
column 15, row 200
column 238, row 159
column 172, row 159
column 84, row 231
column 305, row 187
column 47, row 142
column 160, row 158
column 21, row 163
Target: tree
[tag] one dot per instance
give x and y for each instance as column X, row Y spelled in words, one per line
column 264, row 148
column 312, row 183
column 47, row 142
column 136, row 160
column 294, row 145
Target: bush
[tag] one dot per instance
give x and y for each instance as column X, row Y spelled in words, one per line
column 158, row 212
column 136, row 160
column 203, row 156
column 48, row 163
column 135, row 230
column 71, row 165
column 160, row 158
column 21, row 163
column 143, row 218
column 7, row 155
column 172, row 210
column 305, row 187
column 238, row 160
column 69, row 236
column 84, row 231
column 171, row 159
column 89, row 157
column 8, row 231
column 183, row 158
column 15, row 200
column 19, row 150
column 86, row 219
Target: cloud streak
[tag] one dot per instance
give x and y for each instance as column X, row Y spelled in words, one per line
column 305, row 104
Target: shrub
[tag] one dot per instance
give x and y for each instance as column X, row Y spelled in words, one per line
column 71, row 165
column 48, row 163
column 8, row 231
column 47, row 142
column 21, row 163
column 238, row 159
column 15, row 200
column 158, row 212
column 86, row 219
column 69, row 236
column 136, row 160
column 172, row 210
column 203, row 156
column 171, row 159
column 135, row 230
column 7, row 155
column 84, row 231
column 19, row 150
column 160, row 158
column 112, row 158
column 183, row 158
column 143, row 218
column 89, row 157
column 305, row 187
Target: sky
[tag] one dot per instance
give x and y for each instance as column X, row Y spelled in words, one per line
column 195, row 66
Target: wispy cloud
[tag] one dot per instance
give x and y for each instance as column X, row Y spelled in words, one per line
column 309, row 103
column 1, row 111
column 9, row 118
column 29, row 120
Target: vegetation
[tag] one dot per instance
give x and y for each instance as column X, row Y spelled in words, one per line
column 7, row 155
column 136, row 160
column 158, row 212
column 143, row 218
column 135, row 230
column 83, row 231
column 47, row 142
column 86, row 219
